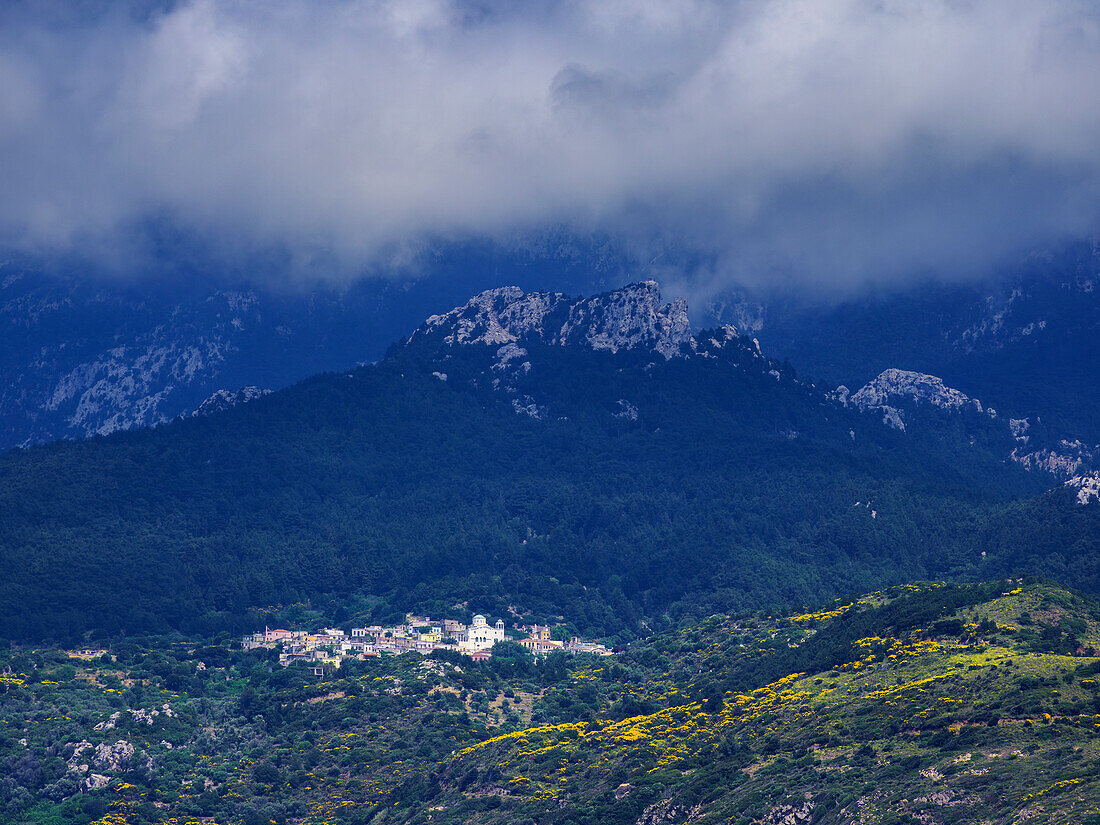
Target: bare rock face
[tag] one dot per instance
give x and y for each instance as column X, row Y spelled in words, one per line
column 224, row 399
column 88, row 760
column 624, row 319
column 628, row 318
column 790, row 814
column 1088, row 487
column 511, row 325
column 95, row 781
column 113, row 757
column 76, row 762
column 894, row 392
column 893, row 389
column 495, row 317
column 667, row 812
column 1069, row 460
column 893, row 386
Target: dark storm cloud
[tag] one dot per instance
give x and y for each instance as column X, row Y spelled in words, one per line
column 830, row 140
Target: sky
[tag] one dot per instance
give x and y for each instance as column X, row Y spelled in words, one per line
column 832, row 142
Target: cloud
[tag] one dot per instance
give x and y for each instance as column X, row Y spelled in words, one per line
column 825, row 141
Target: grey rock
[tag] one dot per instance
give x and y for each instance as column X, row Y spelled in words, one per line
column 624, row 319
column 223, row 400
column 894, row 385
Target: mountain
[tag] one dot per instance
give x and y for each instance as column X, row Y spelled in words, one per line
column 85, row 352
column 930, row 703
column 1025, row 339
column 590, row 456
column 626, row 319
column 901, row 396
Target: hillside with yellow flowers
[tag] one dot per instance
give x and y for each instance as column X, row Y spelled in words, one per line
column 989, row 712
column 931, row 703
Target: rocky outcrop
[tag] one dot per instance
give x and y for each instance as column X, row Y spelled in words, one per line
column 1066, row 459
column 790, row 814
column 511, row 325
column 667, row 812
column 1050, row 461
column 139, row 715
column 95, row 764
column 113, row 757
column 95, row 782
column 495, row 317
column 127, row 387
column 628, row 318
column 893, row 387
column 1087, row 486
column 892, row 390
column 224, row 400
column 1019, row 428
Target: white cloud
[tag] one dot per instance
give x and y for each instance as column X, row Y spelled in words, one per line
column 830, row 139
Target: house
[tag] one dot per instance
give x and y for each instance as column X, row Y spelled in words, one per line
column 540, row 632
column 541, row 647
column 481, row 655
column 577, row 646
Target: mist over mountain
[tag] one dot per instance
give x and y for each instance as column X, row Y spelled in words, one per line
column 86, row 352
column 835, row 143
column 1024, row 339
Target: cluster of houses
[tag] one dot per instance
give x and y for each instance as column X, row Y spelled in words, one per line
column 419, row 634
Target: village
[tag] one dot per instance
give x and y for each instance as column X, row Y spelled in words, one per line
column 419, row 634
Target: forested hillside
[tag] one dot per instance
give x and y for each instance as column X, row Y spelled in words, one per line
column 645, row 487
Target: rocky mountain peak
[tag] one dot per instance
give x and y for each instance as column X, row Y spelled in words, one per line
column 895, row 386
column 622, row 319
column 894, row 393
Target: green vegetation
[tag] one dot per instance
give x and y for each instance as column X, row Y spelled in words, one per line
column 388, row 490
column 932, row 701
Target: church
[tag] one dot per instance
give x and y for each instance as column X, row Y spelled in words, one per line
column 480, row 635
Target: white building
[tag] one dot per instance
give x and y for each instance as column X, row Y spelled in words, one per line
column 480, row 635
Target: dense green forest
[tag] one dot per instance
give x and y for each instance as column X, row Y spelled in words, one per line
column 923, row 703
column 734, row 486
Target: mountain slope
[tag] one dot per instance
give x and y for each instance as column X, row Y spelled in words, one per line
column 923, row 703
column 1025, row 340
column 919, row 704
column 85, row 352
column 614, row 482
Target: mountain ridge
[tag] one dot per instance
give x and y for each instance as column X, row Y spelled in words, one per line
column 625, row 318
column 641, row 486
